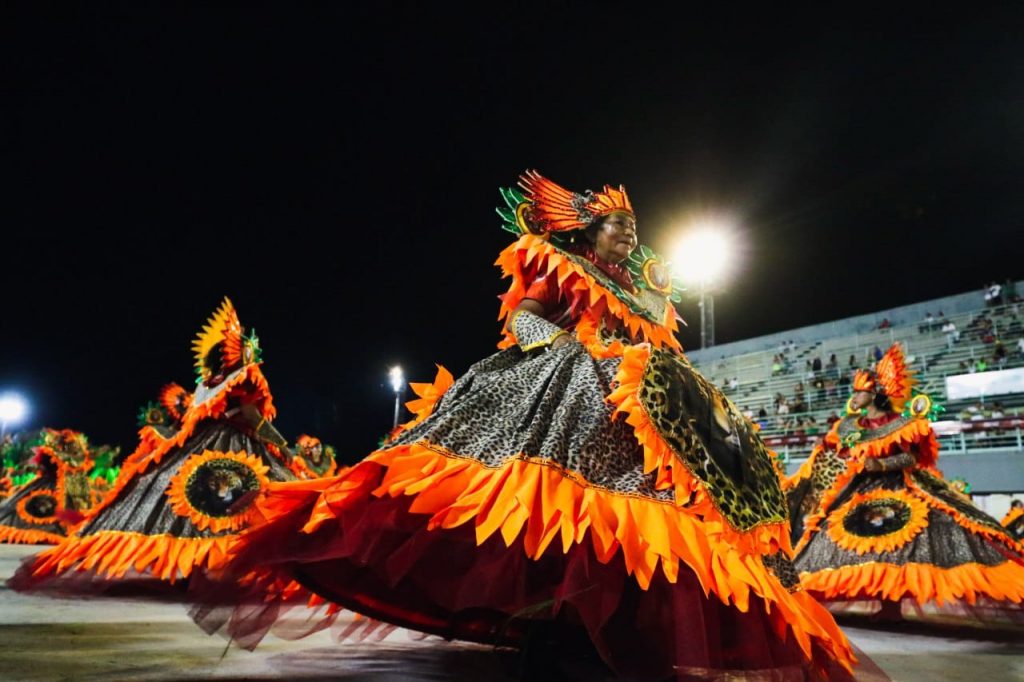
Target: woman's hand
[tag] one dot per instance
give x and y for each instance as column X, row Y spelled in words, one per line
column 562, row 340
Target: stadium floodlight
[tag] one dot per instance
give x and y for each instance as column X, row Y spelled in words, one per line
column 13, row 410
column 702, row 257
column 397, row 379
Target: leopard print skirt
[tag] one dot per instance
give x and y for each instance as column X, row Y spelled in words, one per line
column 547, row 404
column 551, row 405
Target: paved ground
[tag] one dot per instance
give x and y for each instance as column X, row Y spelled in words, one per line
column 62, row 639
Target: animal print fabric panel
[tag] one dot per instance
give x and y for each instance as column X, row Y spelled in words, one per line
column 713, row 441
column 532, row 331
column 542, row 405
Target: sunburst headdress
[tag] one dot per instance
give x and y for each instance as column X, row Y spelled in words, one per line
column 549, row 207
column 891, row 377
column 224, row 329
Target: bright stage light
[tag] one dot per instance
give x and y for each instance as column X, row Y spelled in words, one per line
column 703, row 255
column 397, row 379
column 13, row 409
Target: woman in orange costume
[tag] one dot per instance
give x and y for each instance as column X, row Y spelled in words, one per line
column 312, row 458
column 584, row 484
column 183, row 498
column 888, row 527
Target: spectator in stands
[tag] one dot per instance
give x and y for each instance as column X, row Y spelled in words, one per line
column 963, row 368
column 819, row 390
column 787, row 366
column 833, row 366
column 999, row 355
column 816, row 365
column 1020, row 347
column 974, row 412
column 952, row 335
column 993, row 294
column 885, row 323
column 980, row 365
column 776, row 366
column 988, row 333
column 832, row 419
column 926, row 326
column 811, row 427
column 782, row 407
column 734, row 383
column 997, row 411
column 877, row 352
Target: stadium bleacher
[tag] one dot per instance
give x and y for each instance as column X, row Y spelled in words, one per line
column 783, row 370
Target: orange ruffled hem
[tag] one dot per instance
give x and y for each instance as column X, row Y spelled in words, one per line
column 923, row 582
column 20, row 536
column 534, row 254
column 547, row 505
column 112, row 553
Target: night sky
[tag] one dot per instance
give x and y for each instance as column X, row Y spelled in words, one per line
column 335, row 172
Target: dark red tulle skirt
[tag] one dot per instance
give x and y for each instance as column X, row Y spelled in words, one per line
column 379, row 560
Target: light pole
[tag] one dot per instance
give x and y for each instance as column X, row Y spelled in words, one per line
column 13, row 409
column 397, row 385
column 701, row 257
column 707, row 316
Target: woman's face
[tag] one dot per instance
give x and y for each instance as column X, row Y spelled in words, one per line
column 861, row 399
column 616, row 237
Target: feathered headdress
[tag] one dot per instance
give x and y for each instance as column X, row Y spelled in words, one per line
column 552, row 208
column 307, row 442
column 175, row 400
column 891, row 377
column 225, row 329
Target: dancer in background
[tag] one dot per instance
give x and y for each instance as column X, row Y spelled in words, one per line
column 889, row 528
column 181, row 504
column 312, row 459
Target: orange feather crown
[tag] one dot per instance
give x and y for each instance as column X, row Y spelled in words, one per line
column 890, row 377
column 175, row 399
column 552, row 208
